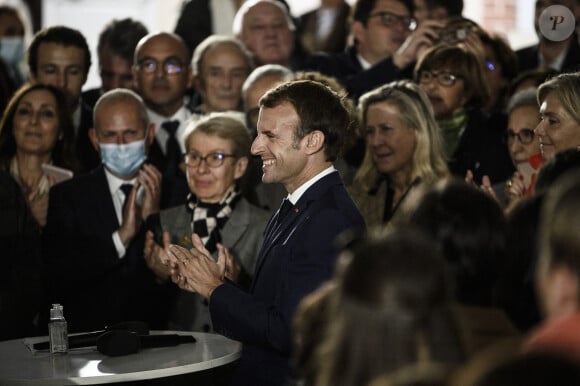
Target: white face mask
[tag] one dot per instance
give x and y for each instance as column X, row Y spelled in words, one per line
column 11, row 49
column 123, row 160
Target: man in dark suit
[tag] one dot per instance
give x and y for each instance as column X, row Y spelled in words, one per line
column 297, row 142
column 387, row 43
column 562, row 56
column 162, row 75
column 115, row 50
column 59, row 56
column 93, row 241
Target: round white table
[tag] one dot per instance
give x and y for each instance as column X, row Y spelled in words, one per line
column 86, row 366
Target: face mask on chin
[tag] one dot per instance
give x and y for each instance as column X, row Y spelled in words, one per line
column 123, row 160
column 11, row 49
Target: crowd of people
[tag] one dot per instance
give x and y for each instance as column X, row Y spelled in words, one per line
column 375, row 193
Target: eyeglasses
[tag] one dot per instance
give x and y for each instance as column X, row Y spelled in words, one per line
column 171, row 66
column 445, row 79
column 389, row 19
column 213, row 160
column 525, row 136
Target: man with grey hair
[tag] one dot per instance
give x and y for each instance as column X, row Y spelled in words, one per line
column 262, row 79
column 267, row 30
column 220, row 66
column 94, row 236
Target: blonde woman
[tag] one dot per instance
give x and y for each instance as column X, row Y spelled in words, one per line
column 404, row 150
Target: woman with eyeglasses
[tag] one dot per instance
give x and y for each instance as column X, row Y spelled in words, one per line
column 559, row 126
column 218, row 150
column 523, row 145
column 403, row 152
column 453, row 79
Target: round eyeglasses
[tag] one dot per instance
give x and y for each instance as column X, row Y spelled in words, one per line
column 389, row 19
column 445, row 79
column 213, row 160
column 525, row 136
column 170, row 66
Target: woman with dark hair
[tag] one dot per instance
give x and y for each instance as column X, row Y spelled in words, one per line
column 453, row 79
column 469, row 229
column 391, row 308
column 36, row 129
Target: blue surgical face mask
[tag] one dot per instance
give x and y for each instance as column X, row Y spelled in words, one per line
column 11, row 49
column 123, row 160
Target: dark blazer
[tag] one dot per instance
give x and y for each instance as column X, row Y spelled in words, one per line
column 336, row 40
column 86, row 153
column 346, row 68
column 528, row 57
column 296, row 257
column 84, row 272
column 482, row 150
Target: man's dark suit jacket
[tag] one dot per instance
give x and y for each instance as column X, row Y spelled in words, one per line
column 86, row 153
column 346, row 68
column 296, row 257
column 528, row 57
column 84, row 272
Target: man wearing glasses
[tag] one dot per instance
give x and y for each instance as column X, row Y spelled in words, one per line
column 387, row 42
column 162, row 76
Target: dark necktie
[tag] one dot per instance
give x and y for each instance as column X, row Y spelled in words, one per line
column 284, row 209
column 172, row 150
column 126, row 189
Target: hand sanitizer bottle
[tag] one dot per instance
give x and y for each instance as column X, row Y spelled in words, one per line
column 57, row 330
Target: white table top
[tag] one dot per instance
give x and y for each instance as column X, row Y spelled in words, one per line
column 85, row 366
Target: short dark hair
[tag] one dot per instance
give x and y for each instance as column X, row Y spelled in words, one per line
column 121, row 37
column 362, row 9
column 453, row 7
column 318, row 108
column 59, row 35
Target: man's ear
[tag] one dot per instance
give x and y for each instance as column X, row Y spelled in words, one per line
column 150, row 134
column 135, row 75
column 357, row 29
column 197, row 83
column 314, row 142
column 94, row 139
column 240, row 167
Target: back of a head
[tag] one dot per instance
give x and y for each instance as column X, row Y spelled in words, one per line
column 562, row 163
column 468, row 227
column 392, row 301
column 559, row 243
column 537, row 369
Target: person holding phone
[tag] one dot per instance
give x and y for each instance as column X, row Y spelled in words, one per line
column 36, row 129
